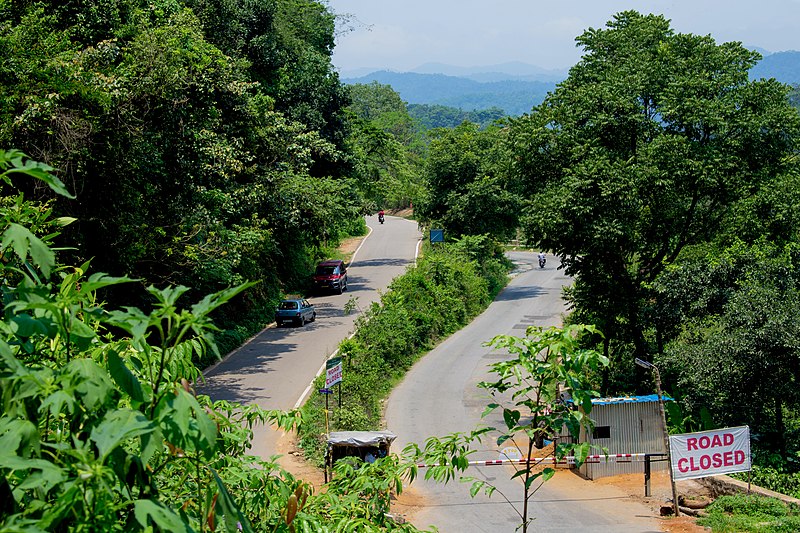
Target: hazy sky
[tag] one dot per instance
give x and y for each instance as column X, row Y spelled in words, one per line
column 403, row 34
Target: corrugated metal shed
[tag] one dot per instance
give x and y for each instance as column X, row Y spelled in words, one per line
column 625, row 425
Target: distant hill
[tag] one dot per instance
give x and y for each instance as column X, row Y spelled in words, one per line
column 783, row 66
column 517, row 87
column 513, row 70
column 515, row 97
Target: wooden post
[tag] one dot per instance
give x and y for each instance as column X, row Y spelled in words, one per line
column 651, row 366
column 666, row 440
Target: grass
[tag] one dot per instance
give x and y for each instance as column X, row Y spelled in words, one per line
column 750, row 512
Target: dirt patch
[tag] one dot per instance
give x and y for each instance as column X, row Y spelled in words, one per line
column 349, row 247
column 410, row 501
column 404, row 213
column 292, row 461
column 633, row 486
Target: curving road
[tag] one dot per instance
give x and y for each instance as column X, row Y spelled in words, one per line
column 275, row 368
column 440, row 396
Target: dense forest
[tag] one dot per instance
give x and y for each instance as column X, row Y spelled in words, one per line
column 206, row 143
column 207, row 151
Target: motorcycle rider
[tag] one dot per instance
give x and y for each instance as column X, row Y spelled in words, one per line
column 542, row 259
column 380, row 216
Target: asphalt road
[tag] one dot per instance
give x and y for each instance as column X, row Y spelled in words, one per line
column 275, row 368
column 440, row 396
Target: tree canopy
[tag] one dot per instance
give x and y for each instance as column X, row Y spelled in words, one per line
column 648, row 145
column 207, row 143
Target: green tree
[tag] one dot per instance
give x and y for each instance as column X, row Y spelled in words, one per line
column 547, row 366
column 197, row 157
column 385, row 147
column 467, row 192
column 640, row 152
column 737, row 349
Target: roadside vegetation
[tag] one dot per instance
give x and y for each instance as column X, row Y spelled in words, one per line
column 100, row 428
column 750, row 513
column 449, row 286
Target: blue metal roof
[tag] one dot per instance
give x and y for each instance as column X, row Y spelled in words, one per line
column 630, row 399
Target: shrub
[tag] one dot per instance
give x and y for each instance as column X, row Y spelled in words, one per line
column 750, row 512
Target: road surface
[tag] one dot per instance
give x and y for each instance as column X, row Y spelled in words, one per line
column 275, row 368
column 440, row 396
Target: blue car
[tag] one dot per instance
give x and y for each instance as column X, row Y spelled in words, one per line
column 296, row 311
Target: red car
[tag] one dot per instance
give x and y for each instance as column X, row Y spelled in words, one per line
column 331, row 275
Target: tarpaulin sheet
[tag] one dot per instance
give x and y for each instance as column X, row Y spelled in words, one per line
column 360, row 438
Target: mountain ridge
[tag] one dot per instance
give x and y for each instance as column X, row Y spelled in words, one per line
column 517, row 87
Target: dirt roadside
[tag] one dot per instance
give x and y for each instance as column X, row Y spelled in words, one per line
column 626, row 487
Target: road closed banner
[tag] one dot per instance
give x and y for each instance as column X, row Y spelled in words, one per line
column 333, row 372
column 710, row 453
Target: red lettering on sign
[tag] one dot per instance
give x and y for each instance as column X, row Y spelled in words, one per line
column 717, row 460
column 682, row 465
column 738, row 457
column 691, row 443
column 728, row 458
column 704, row 442
column 716, row 441
column 727, row 439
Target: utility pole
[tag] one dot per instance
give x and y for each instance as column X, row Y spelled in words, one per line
column 651, row 366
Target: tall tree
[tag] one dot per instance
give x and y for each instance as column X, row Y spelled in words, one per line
column 385, row 147
column 642, row 151
column 467, row 189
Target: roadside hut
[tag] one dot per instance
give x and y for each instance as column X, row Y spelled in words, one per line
column 626, row 425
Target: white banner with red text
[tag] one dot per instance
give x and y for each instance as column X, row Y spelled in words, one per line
column 333, row 372
column 710, row 453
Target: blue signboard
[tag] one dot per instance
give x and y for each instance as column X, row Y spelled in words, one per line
column 437, row 235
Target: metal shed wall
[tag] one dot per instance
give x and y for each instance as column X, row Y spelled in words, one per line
column 634, row 427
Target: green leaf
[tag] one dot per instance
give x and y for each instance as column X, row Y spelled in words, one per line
column 227, row 506
column 42, row 474
column 34, row 169
column 81, row 334
column 511, row 417
column 92, row 384
column 26, row 243
column 149, row 513
column 117, row 427
column 212, row 301
column 124, row 378
column 99, row 280
column 489, row 408
column 18, row 437
column 26, row 326
column 55, row 403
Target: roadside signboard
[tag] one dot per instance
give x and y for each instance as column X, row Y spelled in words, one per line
column 437, row 235
column 333, row 372
column 325, row 391
column 710, row 453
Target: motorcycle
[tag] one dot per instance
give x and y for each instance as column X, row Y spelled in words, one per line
column 380, row 218
column 542, row 261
